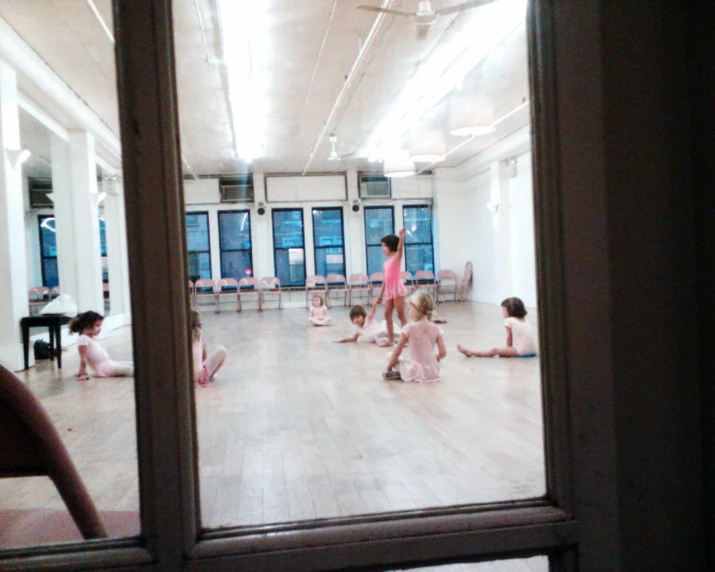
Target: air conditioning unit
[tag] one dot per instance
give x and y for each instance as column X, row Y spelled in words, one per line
column 374, row 187
column 239, row 193
column 40, row 200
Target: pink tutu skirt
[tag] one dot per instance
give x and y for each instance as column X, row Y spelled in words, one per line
column 396, row 290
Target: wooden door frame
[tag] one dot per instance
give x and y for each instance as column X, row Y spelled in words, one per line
column 587, row 521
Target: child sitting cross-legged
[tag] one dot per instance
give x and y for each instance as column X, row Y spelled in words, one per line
column 367, row 328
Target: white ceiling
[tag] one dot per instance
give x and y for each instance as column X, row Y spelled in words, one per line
column 310, row 92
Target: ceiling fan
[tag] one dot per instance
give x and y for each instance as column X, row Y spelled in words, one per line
column 425, row 16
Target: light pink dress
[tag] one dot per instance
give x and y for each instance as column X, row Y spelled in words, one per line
column 421, row 365
column 319, row 316
column 394, row 288
column 98, row 359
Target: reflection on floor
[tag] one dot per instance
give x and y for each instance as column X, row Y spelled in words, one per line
column 297, row 427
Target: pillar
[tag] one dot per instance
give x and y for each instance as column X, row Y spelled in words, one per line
column 13, row 261
column 118, row 266
column 499, row 175
column 74, row 190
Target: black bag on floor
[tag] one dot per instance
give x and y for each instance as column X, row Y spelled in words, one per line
column 43, row 350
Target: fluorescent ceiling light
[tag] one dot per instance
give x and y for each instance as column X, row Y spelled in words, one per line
column 243, row 34
column 444, row 71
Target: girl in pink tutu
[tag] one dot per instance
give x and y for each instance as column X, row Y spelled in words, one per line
column 393, row 290
column 422, row 365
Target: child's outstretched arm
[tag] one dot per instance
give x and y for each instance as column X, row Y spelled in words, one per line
column 82, row 375
column 375, row 304
column 349, row 339
column 442, row 353
column 396, row 353
column 401, row 245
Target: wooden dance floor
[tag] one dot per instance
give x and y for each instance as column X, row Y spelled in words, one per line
column 299, row 428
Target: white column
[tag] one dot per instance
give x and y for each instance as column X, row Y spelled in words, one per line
column 502, row 230
column 64, row 216
column 117, row 265
column 261, row 233
column 308, row 242
column 13, row 261
column 355, row 228
column 74, row 189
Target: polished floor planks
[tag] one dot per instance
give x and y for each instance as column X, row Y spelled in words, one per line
column 297, row 428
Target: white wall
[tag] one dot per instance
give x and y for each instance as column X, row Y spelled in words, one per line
column 523, row 259
column 500, row 245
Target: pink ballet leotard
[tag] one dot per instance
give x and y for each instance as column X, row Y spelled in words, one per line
column 394, row 288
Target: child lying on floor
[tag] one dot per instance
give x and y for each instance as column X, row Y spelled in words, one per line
column 367, row 329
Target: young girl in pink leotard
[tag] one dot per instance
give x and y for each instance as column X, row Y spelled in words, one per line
column 393, row 290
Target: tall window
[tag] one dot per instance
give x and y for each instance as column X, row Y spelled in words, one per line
column 48, row 251
column 198, row 245
column 379, row 221
column 234, row 229
column 289, row 246
column 103, row 249
column 419, row 252
column 328, row 241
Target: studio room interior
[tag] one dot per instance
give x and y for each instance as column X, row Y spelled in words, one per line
column 303, row 285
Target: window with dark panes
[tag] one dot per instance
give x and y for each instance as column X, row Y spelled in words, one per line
column 379, row 221
column 103, row 249
column 329, row 242
column 289, row 246
column 419, row 248
column 48, row 251
column 198, row 245
column 235, row 242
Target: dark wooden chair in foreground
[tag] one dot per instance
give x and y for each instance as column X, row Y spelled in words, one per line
column 30, row 446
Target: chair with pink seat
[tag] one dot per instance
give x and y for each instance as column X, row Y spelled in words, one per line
column 357, row 284
column 249, row 288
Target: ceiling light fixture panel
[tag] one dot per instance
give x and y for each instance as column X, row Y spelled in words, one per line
column 243, row 36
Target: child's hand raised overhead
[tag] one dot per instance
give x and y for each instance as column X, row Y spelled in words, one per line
column 402, row 233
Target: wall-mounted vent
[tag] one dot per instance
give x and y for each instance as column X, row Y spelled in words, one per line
column 40, row 200
column 374, row 187
column 237, row 190
column 237, row 194
column 39, row 189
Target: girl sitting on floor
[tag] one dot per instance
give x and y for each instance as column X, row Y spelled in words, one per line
column 318, row 314
column 423, row 335
column 205, row 369
column 89, row 325
column 520, row 341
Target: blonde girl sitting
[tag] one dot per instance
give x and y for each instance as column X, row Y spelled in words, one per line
column 422, row 365
column 205, row 369
column 318, row 314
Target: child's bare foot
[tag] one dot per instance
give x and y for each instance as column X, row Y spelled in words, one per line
column 464, row 350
